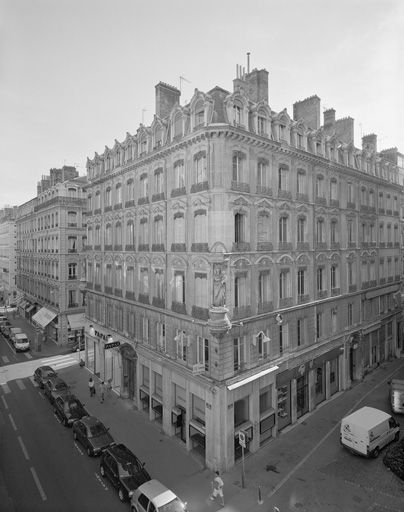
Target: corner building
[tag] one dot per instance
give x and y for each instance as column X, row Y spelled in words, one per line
column 243, row 266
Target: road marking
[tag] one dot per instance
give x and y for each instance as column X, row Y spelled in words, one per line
column 6, row 389
column 300, row 464
column 4, row 402
column 12, row 422
column 38, row 484
column 5, row 359
column 102, row 482
column 41, row 395
column 24, row 450
column 27, row 355
column 20, row 384
column 60, row 361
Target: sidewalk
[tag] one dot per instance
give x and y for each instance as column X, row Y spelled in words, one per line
column 167, row 460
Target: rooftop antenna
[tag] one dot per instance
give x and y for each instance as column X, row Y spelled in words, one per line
column 183, row 79
column 143, row 111
column 248, row 62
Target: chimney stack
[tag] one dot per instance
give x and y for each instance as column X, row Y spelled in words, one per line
column 167, row 97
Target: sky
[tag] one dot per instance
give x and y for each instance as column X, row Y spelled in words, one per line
column 77, row 74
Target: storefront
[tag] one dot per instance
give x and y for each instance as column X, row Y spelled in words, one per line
column 76, row 328
column 44, row 319
column 127, row 379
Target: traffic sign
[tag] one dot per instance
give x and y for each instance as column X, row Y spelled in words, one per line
column 241, row 439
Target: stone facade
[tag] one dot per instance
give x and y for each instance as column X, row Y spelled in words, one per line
column 247, row 264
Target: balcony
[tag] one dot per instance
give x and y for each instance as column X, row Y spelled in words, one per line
column 130, row 203
column 265, row 307
column 178, row 307
column 335, row 245
column 264, row 191
column 143, row 200
column 118, row 292
column 157, row 247
column 284, row 194
column 285, row 246
column 130, row 295
column 199, row 187
column 301, row 299
column 389, row 212
column 335, row 291
column 72, row 277
column 159, row 303
column 178, row 247
column 350, row 205
column 303, row 246
column 178, row 192
column 382, row 245
column 108, row 209
column 108, row 247
column 200, row 247
column 108, row 290
column 302, row 197
column 382, row 280
column 118, row 247
column 322, row 294
column 97, row 287
column 158, row 197
column 89, row 285
column 70, row 250
column 321, row 200
column 73, row 305
column 143, row 247
column 144, row 298
column 241, row 247
column 264, row 246
column 321, row 246
column 352, row 245
column 97, row 247
column 381, row 211
column 97, row 211
column 240, row 186
column 130, row 247
column 118, row 206
column 286, row 302
column 200, row 313
column 334, row 203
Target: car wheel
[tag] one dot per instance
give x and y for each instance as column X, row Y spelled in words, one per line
column 102, row 471
column 65, row 422
column 397, row 436
column 89, row 452
column 375, row 452
column 75, row 436
column 121, row 494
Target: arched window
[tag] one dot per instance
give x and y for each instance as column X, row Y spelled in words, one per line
column 118, row 194
column 158, row 230
column 283, row 229
column 108, row 234
column 130, row 190
column 179, row 228
column 200, row 231
column 320, row 231
column 301, row 229
column 263, row 227
column 97, row 204
column 200, row 167
column 97, row 239
column 130, row 233
column 199, row 114
column 237, row 114
column 118, row 234
column 108, row 198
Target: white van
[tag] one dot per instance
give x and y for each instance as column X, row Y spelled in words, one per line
column 21, row 342
column 367, row 430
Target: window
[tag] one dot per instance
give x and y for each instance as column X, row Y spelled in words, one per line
column 72, row 243
column 363, row 196
column 72, row 270
column 158, row 136
column 118, row 276
column 283, row 177
column 201, row 290
column 240, row 290
column 145, row 328
column 300, row 331
column 238, row 353
column 320, row 231
column 144, row 232
column 351, row 231
column 262, row 345
column 301, row 228
column 239, row 228
column 350, row 193
column 301, row 281
column 334, row 190
column 118, row 234
column 351, row 273
column 301, row 182
column 89, row 204
column 199, row 114
column 201, row 227
column 181, row 340
column 262, row 124
column 264, row 287
column 320, row 279
column 334, row 276
column 334, row 232
column 108, row 197
column 283, row 229
column 144, row 281
column 72, row 219
column 161, row 336
column 97, row 203
column 381, row 233
column 179, row 287
column 72, row 299
column 319, row 325
column 118, row 194
column 130, row 233
column 283, row 338
column 238, row 159
column 371, row 199
column 159, row 283
column 158, row 230
column 179, row 228
column 262, row 173
column 284, row 284
column 237, row 114
column 319, row 186
column 130, row 279
column 200, row 167
column 158, row 181
column 144, row 186
column 179, row 174
column 350, row 314
column 263, row 227
column 202, row 351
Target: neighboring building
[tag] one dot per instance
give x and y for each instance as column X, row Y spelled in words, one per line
column 50, row 261
column 8, row 290
column 224, row 209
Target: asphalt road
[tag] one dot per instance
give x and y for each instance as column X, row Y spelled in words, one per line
column 8, row 355
column 42, row 466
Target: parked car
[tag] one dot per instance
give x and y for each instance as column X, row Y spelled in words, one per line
column 42, row 374
column 77, row 345
column 5, row 326
column 160, row 498
column 20, row 342
column 92, row 434
column 8, row 309
column 55, row 385
column 11, row 331
column 68, row 408
column 123, row 469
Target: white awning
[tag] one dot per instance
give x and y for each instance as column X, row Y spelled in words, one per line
column 76, row 321
column 255, row 376
column 22, row 304
column 44, row 316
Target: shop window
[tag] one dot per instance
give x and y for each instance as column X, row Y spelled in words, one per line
column 202, row 352
column 198, row 409
column 238, row 353
column 241, row 411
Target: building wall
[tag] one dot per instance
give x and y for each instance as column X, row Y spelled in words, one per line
column 7, row 260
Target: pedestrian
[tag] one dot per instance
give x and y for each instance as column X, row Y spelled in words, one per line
column 109, row 386
column 102, row 391
column 217, row 488
column 91, row 386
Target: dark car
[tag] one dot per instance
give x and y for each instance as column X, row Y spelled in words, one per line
column 123, row 469
column 68, row 408
column 53, row 386
column 92, row 434
column 5, row 327
column 42, row 374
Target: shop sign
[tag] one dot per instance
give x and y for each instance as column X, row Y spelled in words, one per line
column 112, row 344
column 241, row 439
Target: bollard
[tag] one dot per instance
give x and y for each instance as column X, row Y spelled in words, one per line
column 260, row 500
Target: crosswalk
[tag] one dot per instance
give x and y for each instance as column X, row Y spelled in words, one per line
column 27, row 368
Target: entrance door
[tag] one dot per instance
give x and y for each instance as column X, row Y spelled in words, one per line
column 129, row 377
column 352, row 364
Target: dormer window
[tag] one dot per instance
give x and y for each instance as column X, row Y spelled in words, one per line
column 199, row 114
column 262, row 125
column 237, row 114
column 143, row 146
column 282, row 131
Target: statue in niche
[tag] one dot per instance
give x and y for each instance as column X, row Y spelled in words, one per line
column 219, row 285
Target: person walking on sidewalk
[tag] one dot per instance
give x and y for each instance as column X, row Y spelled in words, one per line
column 102, row 391
column 217, row 488
column 91, row 386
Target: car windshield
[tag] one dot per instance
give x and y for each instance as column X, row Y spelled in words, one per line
column 60, row 385
column 174, row 506
column 97, row 430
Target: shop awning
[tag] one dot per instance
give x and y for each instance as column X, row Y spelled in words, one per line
column 23, row 304
column 30, row 308
column 44, row 316
column 76, row 321
column 255, row 376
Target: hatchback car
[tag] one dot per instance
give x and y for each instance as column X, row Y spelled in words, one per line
column 42, row 374
column 68, row 408
column 154, row 496
column 53, row 386
column 92, row 434
column 123, row 469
